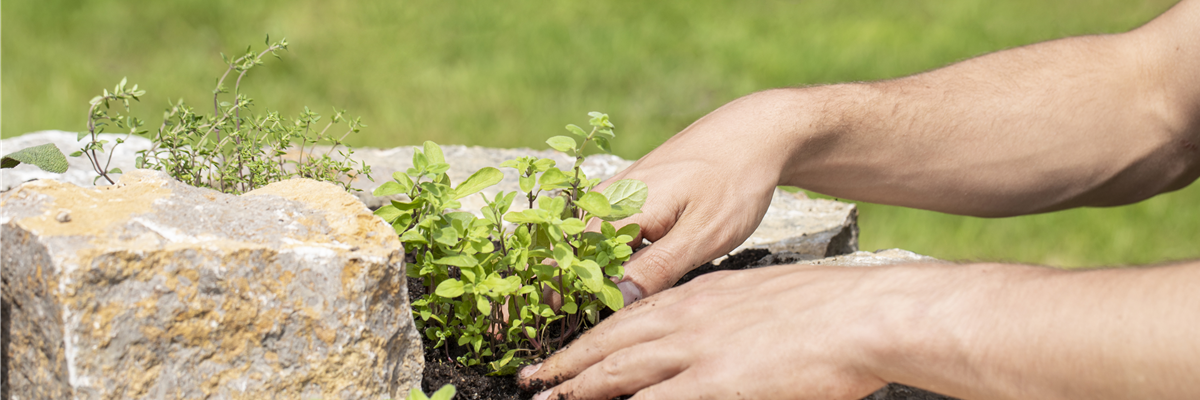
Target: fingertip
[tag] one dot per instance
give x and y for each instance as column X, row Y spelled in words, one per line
column 529, row 371
column 630, row 291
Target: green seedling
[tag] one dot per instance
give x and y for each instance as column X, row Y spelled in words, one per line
column 445, row 393
column 232, row 150
column 485, row 280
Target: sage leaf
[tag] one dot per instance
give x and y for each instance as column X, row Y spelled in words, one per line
column 46, row 156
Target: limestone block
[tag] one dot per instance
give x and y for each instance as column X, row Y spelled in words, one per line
column 152, row 289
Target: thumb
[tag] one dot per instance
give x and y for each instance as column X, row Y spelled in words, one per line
column 658, row 266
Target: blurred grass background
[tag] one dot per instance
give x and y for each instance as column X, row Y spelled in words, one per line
column 509, row 74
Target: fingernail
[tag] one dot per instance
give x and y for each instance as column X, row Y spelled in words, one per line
column 530, row 370
column 543, row 395
column 630, row 291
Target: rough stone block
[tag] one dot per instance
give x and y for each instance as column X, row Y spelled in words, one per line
column 154, row 289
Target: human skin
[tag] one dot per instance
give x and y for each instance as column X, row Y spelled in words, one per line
column 1087, row 121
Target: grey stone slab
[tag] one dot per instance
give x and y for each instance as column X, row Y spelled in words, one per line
column 153, row 289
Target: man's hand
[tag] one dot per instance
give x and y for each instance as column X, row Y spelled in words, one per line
column 710, row 186
column 968, row 331
column 771, row 333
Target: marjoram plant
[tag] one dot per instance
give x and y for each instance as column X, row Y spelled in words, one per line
column 231, row 150
column 487, row 278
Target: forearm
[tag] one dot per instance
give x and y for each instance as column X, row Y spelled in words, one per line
column 1087, row 121
column 1014, row 332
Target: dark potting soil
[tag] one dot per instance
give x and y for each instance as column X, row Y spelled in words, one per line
column 474, row 383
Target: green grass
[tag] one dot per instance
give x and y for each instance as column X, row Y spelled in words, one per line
column 508, row 74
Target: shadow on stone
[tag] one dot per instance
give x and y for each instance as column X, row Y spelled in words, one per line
column 846, row 241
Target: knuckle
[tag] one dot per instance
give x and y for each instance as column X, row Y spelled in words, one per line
column 657, row 269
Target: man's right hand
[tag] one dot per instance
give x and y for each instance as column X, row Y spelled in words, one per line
column 710, row 186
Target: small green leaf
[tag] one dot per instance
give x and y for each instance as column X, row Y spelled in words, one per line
column 552, row 205
column 603, row 144
column 600, row 120
column 481, row 179
column 483, row 305
column 388, row 189
column 621, row 212
column 412, row 236
column 389, row 213
column 416, row 394
column 433, row 153
column 543, row 164
column 622, row 251
column 572, row 226
column 630, row 230
column 544, row 271
column 525, row 217
column 595, row 203
column 461, row 260
column 403, row 180
column 412, row 205
column 449, row 288
column 527, row 183
column 570, row 307
column 577, row 131
column 554, row 178
column 607, row 229
column 564, row 144
column 627, row 193
column 564, row 257
column 419, row 162
column 437, row 168
column 611, row 295
column 446, row 236
column 591, row 275
column 445, row 393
